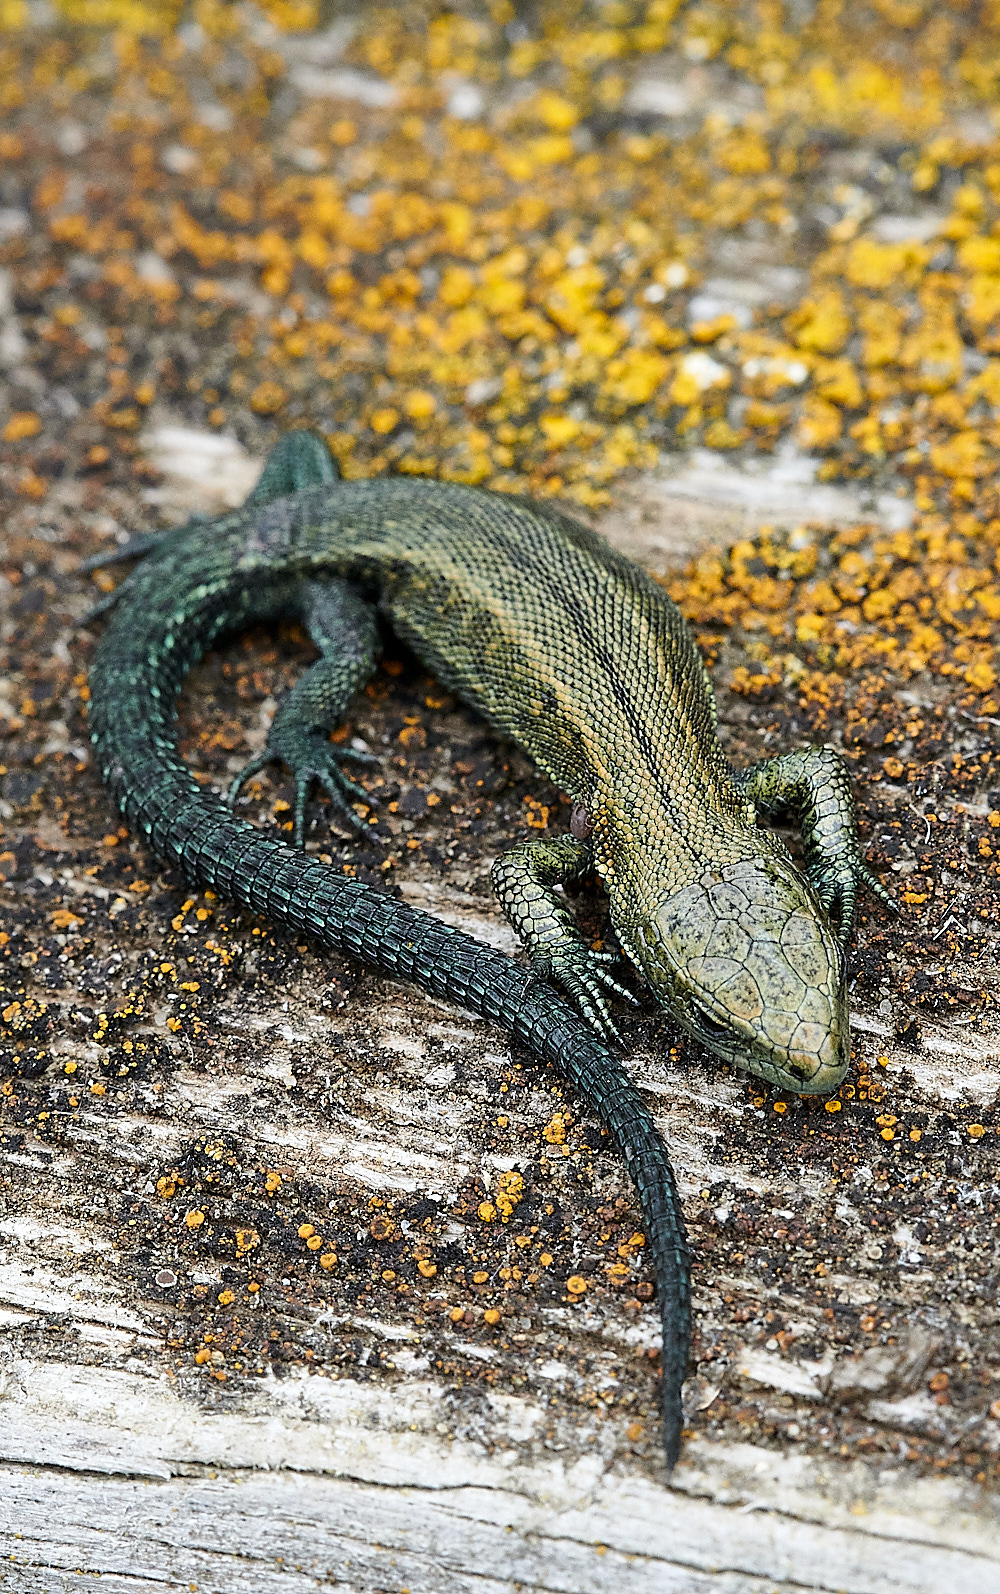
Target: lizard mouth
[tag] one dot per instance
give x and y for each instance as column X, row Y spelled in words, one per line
column 810, row 1076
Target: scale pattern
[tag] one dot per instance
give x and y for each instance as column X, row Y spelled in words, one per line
column 573, row 653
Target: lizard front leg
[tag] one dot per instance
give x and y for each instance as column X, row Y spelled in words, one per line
column 524, row 880
column 813, row 788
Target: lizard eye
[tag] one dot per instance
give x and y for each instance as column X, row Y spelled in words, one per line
column 710, row 1025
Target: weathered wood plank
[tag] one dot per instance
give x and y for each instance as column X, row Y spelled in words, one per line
column 316, row 1483
column 181, row 1408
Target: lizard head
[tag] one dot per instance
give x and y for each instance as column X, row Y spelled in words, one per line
column 746, row 961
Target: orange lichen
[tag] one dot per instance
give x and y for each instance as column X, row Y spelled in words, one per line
column 515, row 301
column 24, row 423
column 910, row 598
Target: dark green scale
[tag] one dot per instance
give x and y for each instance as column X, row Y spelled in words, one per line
column 583, row 661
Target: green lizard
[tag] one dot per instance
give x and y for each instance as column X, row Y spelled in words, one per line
column 584, row 662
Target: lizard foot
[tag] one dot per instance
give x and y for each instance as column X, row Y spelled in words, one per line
column 312, row 757
column 585, row 977
column 837, row 885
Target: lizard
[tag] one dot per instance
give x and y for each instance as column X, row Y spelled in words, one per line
column 581, row 659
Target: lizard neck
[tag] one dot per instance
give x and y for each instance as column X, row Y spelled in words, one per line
column 645, row 853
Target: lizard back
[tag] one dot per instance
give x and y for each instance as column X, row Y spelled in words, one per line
column 563, row 645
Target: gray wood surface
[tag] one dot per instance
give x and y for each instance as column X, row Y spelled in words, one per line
column 393, row 1447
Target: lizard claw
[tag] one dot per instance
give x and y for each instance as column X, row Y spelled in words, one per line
column 877, row 889
column 356, row 755
column 837, row 888
column 613, row 958
column 338, row 788
column 607, row 979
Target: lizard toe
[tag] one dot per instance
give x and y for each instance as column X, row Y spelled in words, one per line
column 355, row 755
column 590, row 1001
column 573, row 975
column 611, row 960
column 251, row 768
column 611, row 984
column 877, row 889
column 341, row 792
column 837, row 888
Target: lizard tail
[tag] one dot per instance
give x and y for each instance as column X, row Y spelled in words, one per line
column 199, row 834
column 552, row 1029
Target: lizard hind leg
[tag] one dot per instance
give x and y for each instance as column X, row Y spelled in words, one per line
column 136, row 548
column 301, row 459
column 345, row 629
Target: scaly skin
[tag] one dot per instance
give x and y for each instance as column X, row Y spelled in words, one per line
column 581, row 659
